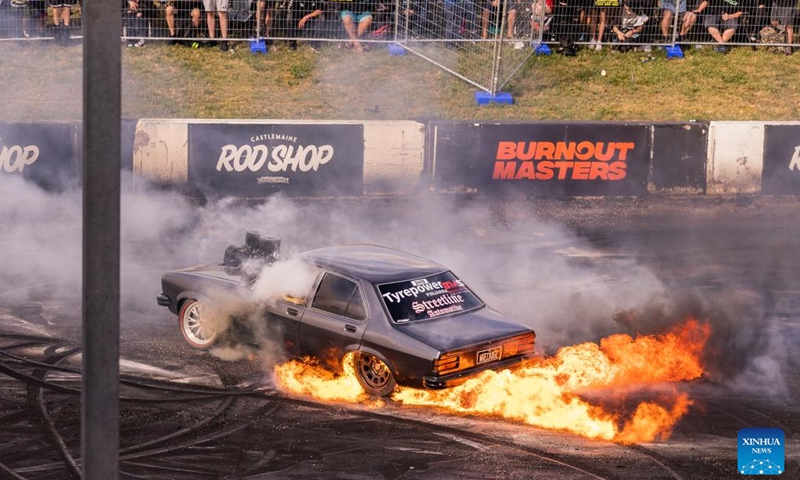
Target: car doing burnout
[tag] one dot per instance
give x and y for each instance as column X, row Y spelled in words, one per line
column 408, row 320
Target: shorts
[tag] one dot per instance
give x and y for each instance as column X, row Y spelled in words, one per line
column 669, row 5
column 37, row 7
column 183, row 8
column 715, row 21
column 356, row 18
column 215, row 5
column 62, row 3
column 782, row 15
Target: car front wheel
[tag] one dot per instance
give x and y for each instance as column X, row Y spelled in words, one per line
column 197, row 325
column 374, row 375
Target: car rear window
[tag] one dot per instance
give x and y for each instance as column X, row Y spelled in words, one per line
column 429, row 297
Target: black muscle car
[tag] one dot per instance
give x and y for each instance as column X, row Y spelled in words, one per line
column 408, row 320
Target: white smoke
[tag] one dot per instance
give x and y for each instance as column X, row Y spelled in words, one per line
column 540, row 273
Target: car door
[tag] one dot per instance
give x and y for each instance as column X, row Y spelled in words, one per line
column 285, row 309
column 335, row 320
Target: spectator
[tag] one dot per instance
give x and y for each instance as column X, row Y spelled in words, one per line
column 782, row 16
column 183, row 19
column 16, row 18
column 629, row 25
column 220, row 7
column 264, row 11
column 756, row 17
column 62, row 9
column 415, row 14
column 311, row 21
column 687, row 19
column 541, row 16
column 135, row 18
column 282, row 17
column 356, row 18
column 721, row 21
column 459, row 17
column 568, row 20
column 491, row 14
column 596, row 19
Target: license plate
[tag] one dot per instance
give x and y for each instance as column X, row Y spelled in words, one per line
column 489, row 355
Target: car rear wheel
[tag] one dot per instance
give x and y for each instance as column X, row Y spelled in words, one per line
column 197, row 326
column 374, row 375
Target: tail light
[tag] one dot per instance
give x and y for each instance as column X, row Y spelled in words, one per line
column 521, row 345
column 446, row 363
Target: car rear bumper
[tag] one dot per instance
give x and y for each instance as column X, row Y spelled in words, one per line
column 453, row 379
column 163, row 300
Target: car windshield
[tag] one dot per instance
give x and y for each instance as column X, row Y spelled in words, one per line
column 430, row 297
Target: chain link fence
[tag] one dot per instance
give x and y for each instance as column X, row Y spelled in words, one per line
column 483, row 42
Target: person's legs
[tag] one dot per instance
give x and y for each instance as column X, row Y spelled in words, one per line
column 689, row 19
column 349, row 23
column 666, row 23
column 223, row 24
column 601, row 28
column 169, row 15
column 364, row 21
column 728, row 34
column 512, row 21
column 714, row 32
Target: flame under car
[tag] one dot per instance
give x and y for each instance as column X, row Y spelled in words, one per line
column 407, row 319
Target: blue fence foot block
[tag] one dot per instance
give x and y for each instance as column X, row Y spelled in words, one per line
column 258, row 46
column 541, row 49
column 396, row 50
column 485, row 98
column 674, row 52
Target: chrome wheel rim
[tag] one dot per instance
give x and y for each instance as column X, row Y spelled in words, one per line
column 195, row 328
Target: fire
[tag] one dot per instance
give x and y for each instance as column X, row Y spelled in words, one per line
column 550, row 392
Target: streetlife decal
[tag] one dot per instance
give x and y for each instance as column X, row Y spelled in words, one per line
column 781, row 173
column 423, row 298
column 257, row 160
column 761, row 451
column 583, row 159
column 41, row 152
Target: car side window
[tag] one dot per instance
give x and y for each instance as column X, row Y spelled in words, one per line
column 340, row 296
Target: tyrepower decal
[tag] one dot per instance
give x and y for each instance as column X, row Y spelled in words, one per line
column 562, row 160
column 430, row 297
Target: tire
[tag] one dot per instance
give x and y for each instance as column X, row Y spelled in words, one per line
column 374, row 376
column 196, row 328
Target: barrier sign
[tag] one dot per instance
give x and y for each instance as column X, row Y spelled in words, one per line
column 547, row 158
column 41, row 152
column 258, row 160
column 781, row 174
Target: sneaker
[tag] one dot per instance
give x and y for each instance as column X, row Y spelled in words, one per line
column 139, row 44
column 699, row 46
column 646, row 48
column 223, row 46
column 130, row 44
column 293, row 44
column 171, row 40
column 592, row 43
column 519, row 45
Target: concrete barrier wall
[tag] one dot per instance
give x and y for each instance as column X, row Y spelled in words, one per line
column 393, row 151
column 713, row 158
column 735, row 157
